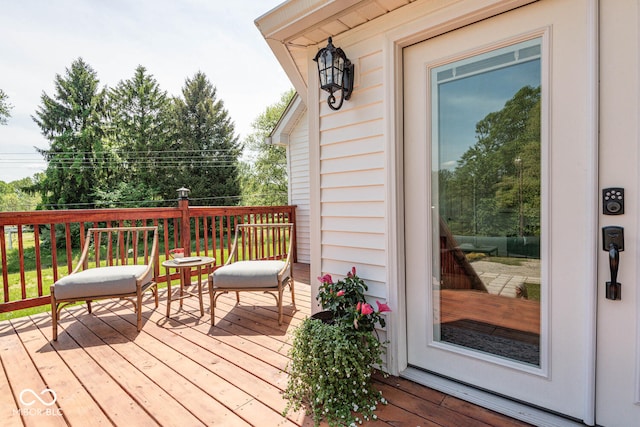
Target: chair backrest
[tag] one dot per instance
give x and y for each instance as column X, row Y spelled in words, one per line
column 119, row 246
column 267, row 241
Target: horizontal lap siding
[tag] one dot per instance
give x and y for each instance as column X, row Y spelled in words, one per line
column 353, row 178
column 299, row 169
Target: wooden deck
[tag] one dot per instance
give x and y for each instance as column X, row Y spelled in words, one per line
column 181, row 371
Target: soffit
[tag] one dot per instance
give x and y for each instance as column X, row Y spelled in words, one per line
column 292, row 27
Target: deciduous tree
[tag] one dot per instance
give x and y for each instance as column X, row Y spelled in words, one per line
column 264, row 176
column 495, row 190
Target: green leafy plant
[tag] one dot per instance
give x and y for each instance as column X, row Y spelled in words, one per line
column 330, row 373
column 332, row 361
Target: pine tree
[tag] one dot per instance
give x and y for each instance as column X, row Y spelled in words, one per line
column 140, row 127
column 73, row 122
column 205, row 152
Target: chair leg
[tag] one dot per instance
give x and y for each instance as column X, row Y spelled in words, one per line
column 212, row 301
column 54, row 315
column 139, row 309
column 155, row 293
column 293, row 293
column 280, row 313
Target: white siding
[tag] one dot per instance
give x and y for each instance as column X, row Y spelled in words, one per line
column 299, row 185
column 353, row 177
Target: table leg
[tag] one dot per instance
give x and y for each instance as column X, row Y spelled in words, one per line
column 182, row 284
column 200, row 291
column 168, row 291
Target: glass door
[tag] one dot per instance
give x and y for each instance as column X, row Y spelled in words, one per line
column 497, row 177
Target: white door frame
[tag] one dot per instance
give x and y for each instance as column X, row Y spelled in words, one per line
column 418, row 31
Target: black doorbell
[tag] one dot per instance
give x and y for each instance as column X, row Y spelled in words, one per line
column 613, row 201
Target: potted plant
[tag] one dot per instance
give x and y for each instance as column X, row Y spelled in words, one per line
column 333, row 355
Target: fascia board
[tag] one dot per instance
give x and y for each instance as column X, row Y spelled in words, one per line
column 288, row 120
column 293, row 17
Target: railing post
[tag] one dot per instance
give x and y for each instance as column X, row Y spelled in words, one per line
column 185, row 223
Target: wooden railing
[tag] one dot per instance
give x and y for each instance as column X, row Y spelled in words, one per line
column 58, row 236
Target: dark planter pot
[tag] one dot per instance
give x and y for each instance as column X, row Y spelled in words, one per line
column 324, row 316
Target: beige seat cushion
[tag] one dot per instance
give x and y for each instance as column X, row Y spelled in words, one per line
column 101, row 281
column 248, row 274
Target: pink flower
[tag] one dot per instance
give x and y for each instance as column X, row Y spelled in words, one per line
column 340, row 292
column 358, row 306
column 366, row 309
column 382, row 307
column 325, row 279
column 352, row 272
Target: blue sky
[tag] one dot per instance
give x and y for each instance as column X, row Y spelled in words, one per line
column 173, row 39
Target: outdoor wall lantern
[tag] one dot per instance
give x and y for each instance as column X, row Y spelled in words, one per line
column 183, row 193
column 336, row 74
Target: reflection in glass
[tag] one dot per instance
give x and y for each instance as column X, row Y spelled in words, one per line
column 486, row 198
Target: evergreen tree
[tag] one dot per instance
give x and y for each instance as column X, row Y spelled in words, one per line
column 73, row 122
column 5, row 108
column 204, row 155
column 139, row 129
column 264, row 178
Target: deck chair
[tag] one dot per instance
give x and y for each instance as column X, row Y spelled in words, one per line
column 116, row 262
column 260, row 260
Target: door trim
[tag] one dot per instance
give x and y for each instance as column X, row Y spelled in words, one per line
column 592, row 213
column 394, row 42
column 502, row 405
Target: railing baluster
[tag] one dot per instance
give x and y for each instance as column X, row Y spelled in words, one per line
column 54, row 252
column 5, row 274
column 197, row 224
column 221, row 221
column 214, row 246
column 36, row 242
column 68, row 243
column 204, row 233
column 23, row 281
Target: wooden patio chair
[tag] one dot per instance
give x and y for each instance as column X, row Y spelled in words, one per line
column 260, row 260
column 116, row 262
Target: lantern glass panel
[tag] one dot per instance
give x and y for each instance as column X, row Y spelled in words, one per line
column 323, row 77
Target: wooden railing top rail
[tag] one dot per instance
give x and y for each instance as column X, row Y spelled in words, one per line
column 85, row 215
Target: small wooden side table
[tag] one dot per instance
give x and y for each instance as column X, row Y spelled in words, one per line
column 184, row 268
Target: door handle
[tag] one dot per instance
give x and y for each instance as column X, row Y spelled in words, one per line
column 613, row 287
column 613, row 242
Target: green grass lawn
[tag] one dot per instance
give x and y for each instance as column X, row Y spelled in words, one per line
column 31, row 278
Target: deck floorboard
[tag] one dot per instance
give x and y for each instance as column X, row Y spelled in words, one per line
column 182, row 371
